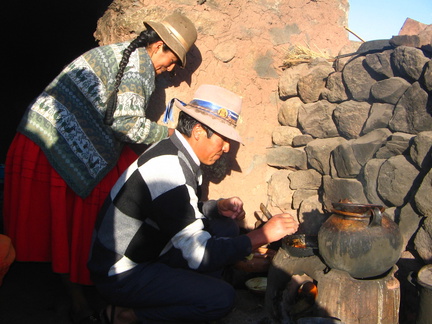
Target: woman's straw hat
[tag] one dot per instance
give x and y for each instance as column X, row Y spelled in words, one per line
column 215, row 107
column 177, row 32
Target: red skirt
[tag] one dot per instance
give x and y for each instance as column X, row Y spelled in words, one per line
column 45, row 219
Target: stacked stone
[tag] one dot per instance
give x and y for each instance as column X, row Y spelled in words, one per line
column 359, row 128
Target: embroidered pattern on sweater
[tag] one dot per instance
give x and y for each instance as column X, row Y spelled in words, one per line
column 66, row 120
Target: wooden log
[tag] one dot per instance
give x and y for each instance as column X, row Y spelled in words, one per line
column 356, row 301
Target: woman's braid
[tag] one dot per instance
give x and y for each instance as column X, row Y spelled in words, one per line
column 144, row 39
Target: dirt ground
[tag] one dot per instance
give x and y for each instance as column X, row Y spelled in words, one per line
column 32, row 294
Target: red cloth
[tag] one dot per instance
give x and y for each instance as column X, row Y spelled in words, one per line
column 7, row 255
column 45, row 219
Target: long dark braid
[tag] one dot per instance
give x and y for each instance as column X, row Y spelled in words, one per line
column 145, row 38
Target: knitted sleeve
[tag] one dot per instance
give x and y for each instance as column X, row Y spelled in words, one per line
column 138, row 83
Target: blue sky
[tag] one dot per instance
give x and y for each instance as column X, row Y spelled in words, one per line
column 381, row 19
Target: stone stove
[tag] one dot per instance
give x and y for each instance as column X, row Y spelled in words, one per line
column 339, row 296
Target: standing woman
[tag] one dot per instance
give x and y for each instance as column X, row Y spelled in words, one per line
column 70, row 146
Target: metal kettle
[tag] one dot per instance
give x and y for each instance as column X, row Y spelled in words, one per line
column 360, row 239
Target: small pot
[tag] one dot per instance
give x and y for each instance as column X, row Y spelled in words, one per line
column 300, row 245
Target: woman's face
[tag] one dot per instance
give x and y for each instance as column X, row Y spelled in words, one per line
column 162, row 60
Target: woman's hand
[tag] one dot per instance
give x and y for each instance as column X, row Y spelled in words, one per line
column 232, row 208
column 170, row 131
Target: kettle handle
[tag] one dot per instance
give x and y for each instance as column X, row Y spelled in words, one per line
column 376, row 217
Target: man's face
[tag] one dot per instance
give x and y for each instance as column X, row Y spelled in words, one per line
column 209, row 150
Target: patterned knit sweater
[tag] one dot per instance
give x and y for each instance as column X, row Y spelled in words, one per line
column 66, row 120
column 154, row 207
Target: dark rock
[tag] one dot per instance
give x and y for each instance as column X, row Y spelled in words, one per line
column 377, row 45
column 357, row 79
column 395, row 180
column 406, row 40
column 302, row 194
column 283, row 135
column 301, row 140
column 423, row 240
column 339, row 188
column 422, row 197
column 318, row 153
column 409, row 62
column 421, row 150
column 368, row 176
column 350, row 117
column 316, row 120
column 335, row 89
column 422, row 39
column 311, row 215
column 412, row 114
column 288, row 112
column 278, row 190
column 287, row 157
column 380, row 63
column 427, row 76
column 379, row 116
column 398, row 143
column 289, row 79
column 345, row 162
column 305, row 179
column 408, row 221
column 365, row 147
column 312, row 84
column 389, row 90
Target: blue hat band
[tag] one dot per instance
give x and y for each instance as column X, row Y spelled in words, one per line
column 215, row 110
column 205, row 106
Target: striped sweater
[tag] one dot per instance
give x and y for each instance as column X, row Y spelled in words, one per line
column 153, row 207
column 66, row 120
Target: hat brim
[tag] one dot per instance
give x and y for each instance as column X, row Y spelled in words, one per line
column 168, row 39
column 215, row 123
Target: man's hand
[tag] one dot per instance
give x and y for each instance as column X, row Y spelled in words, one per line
column 275, row 229
column 232, row 208
column 279, row 226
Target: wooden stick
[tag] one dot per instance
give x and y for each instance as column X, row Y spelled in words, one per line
column 354, row 33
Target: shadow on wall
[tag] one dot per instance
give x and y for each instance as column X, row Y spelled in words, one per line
column 41, row 38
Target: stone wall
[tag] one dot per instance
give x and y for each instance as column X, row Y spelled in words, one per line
column 359, row 128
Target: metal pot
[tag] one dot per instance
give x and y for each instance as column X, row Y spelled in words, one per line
column 360, row 239
column 300, row 245
column 424, row 279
